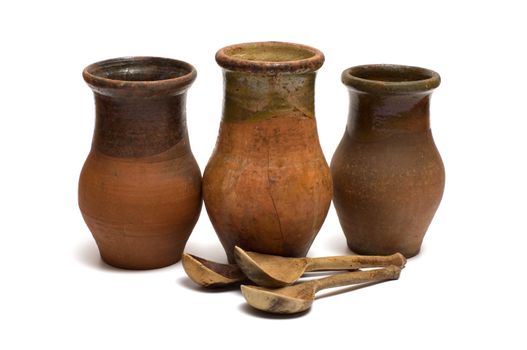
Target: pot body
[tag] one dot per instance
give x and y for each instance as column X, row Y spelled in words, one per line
column 387, row 172
column 267, row 186
column 140, row 187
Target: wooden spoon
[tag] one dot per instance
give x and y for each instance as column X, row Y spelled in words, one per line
column 211, row 274
column 300, row 297
column 276, row 271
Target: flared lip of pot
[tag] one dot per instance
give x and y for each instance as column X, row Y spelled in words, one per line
column 270, row 57
column 390, row 79
column 139, row 76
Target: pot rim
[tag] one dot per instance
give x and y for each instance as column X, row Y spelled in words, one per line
column 390, row 78
column 244, row 57
column 99, row 77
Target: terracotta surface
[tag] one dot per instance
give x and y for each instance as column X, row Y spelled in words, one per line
column 267, row 186
column 140, row 187
column 388, row 175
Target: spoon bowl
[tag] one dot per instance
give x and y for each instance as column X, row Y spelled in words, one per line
column 287, row 300
column 277, row 271
column 270, row 270
column 300, row 297
column 210, row 274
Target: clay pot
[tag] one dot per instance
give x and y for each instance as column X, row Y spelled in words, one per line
column 387, row 173
column 140, row 187
column 267, row 186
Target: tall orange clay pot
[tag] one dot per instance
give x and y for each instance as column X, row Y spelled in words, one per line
column 387, row 172
column 140, row 187
column 267, row 186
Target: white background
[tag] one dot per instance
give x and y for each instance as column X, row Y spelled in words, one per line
column 464, row 290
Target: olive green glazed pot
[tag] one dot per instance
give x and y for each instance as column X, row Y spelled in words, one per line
column 267, row 186
column 387, row 172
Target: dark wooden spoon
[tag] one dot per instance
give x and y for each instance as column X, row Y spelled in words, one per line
column 211, row 274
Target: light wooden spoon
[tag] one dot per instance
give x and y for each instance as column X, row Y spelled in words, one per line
column 276, row 271
column 211, row 274
column 300, row 297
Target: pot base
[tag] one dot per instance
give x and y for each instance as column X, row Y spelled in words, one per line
column 407, row 254
column 141, row 259
column 138, row 267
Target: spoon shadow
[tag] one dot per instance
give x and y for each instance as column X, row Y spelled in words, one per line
column 249, row 310
column 187, row 283
column 312, row 274
column 338, row 291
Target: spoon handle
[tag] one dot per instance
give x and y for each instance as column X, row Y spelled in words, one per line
column 350, row 262
column 347, row 278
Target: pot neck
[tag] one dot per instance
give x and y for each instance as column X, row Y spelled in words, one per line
column 253, row 97
column 381, row 115
column 130, row 127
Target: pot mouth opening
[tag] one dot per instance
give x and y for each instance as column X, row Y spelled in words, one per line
column 390, row 78
column 139, row 72
column 270, row 57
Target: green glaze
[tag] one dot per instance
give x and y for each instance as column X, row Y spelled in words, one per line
column 255, row 97
column 267, row 186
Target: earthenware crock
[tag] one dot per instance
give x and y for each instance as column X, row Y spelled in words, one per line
column 387, row 172
column 267, row 186
column 140, row 187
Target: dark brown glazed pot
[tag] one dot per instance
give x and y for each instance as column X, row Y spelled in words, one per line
column 140, row 187
column 267, row 186
column 387, row 173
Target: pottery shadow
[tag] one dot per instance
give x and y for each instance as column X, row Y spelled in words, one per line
column 421, row 252
column 249, row 310
column 337, row 244
column 88, row 254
